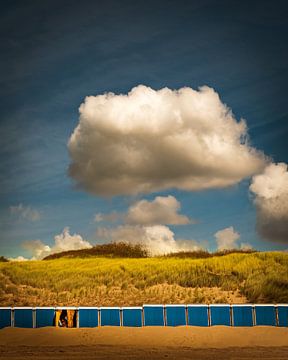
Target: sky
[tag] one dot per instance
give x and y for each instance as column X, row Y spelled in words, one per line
column 122, row 120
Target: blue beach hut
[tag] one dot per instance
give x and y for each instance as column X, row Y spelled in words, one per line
column 110, row 316
column 220, row 314
column 45, row 316
column 23, row 317
column 282, row 314
column 265, row 314
column 88, row 316
column 197, row 315
column 242, row 315
column 153, row 315
column 132, row 316
column 5, row 317
column 175, row 315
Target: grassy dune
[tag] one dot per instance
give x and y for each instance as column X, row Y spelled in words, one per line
column 255, row 277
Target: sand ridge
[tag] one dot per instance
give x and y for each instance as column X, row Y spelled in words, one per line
column 183, row 336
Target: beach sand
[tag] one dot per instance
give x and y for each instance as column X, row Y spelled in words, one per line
column 147, row 343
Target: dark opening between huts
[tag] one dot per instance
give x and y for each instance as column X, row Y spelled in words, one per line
column 66, row 318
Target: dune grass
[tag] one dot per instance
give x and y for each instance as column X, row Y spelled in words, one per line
column 255, row 277
column 113, row 249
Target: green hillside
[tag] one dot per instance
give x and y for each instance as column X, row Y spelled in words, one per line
column 236, row 277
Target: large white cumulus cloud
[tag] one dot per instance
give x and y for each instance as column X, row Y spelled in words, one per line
column 271, row 200
column 152, row 140
column 145, row 223
column 161, row 210
column 157, row 239
column 63, row 242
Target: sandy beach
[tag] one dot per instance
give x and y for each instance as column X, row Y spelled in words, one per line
column 139, row 343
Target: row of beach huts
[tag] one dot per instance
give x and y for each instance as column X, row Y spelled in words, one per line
column 146, row 315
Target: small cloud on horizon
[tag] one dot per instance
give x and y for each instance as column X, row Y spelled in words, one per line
column 19, row 258
column 111, row 217
column 227, row 238
column 62, row 242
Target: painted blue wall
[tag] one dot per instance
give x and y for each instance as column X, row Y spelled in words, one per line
column 88, row 317
column 45, row 317
column 175, row 315
column 132, row 317
column 283, row 315
column 265, row 315
column 220, row 315
column 197, row 315
column 5, row 318
column 23, row 318
column 242, row 315
column 154, row 315
column 110, row 316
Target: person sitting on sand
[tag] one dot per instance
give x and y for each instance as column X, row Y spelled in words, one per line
column 63, row 321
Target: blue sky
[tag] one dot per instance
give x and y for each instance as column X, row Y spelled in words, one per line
column 54, row 53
